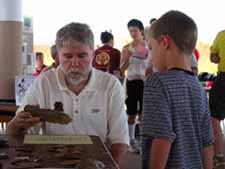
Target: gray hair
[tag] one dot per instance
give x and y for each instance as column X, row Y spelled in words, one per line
column 74, row 32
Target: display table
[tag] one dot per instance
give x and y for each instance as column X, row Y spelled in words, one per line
column 81, row 155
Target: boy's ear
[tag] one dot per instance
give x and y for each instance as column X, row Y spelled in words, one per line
column 165, row 41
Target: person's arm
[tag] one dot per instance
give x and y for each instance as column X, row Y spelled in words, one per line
column 214, row 49
column 159, row 153
column 208, row 140
column 21, row 123
column 124, row 62
column 157, row 124
column 118, row 150
column 118, row 135
column 207, row 157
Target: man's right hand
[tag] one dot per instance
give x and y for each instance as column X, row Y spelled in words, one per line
column 21, row 123
column 214, row 57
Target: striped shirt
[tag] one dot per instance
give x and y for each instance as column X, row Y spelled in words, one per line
column 176, row 108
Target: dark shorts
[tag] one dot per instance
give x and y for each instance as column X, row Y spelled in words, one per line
column 217, row 97
column 134, row 99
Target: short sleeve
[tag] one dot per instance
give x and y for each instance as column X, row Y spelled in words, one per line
column 207, row 130
column 157, row 117
column 117, row 118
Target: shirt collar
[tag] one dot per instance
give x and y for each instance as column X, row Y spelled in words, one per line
column 90, row 86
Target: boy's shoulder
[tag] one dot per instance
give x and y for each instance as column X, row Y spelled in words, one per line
column 169, row 77
column 153, row 79
column 160, row 76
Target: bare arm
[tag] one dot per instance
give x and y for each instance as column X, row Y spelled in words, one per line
column 21, row 123
column 124, row 62
column 207, row 157
column 159, row 153
column 118, row 150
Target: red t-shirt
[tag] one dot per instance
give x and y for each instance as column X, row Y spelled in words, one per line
column 196, row 53
column 107, row 59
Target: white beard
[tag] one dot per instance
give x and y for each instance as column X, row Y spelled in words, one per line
column 76, row 76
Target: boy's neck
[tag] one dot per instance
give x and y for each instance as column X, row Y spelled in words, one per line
column 178, row 60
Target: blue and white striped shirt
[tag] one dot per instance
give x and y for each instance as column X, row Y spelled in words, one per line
column 175, row 107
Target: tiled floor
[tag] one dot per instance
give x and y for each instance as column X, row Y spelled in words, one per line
column 131, row 161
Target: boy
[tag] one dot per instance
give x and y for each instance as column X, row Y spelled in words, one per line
column 176, row 125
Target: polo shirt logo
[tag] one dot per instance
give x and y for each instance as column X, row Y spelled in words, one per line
column 95, row 111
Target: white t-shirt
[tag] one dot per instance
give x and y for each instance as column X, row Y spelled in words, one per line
column 97, row 110
column 138, row 62
column 194, row 63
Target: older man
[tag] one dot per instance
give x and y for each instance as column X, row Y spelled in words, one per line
column 93, row 99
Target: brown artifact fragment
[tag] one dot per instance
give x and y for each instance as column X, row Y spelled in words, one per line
column 3, row 156
column 53, row 116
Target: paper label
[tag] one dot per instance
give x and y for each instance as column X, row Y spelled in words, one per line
column 53, row 139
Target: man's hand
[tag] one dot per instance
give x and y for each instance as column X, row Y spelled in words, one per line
column 21, row 122
column 214, row 58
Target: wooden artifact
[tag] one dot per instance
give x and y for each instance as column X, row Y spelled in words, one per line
column 53, row 116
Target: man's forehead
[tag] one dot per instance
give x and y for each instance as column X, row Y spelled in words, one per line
column 75, row 50
column 75, row 47
column 74, row 44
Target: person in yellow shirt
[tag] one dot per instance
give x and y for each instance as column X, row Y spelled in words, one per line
column 217, row 97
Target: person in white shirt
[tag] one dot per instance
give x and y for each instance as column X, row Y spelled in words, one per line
column 93, row 99
column 135, row 60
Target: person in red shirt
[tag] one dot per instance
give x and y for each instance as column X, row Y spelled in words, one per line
column 39, row 63
column 106, row 57
column 196, row 54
